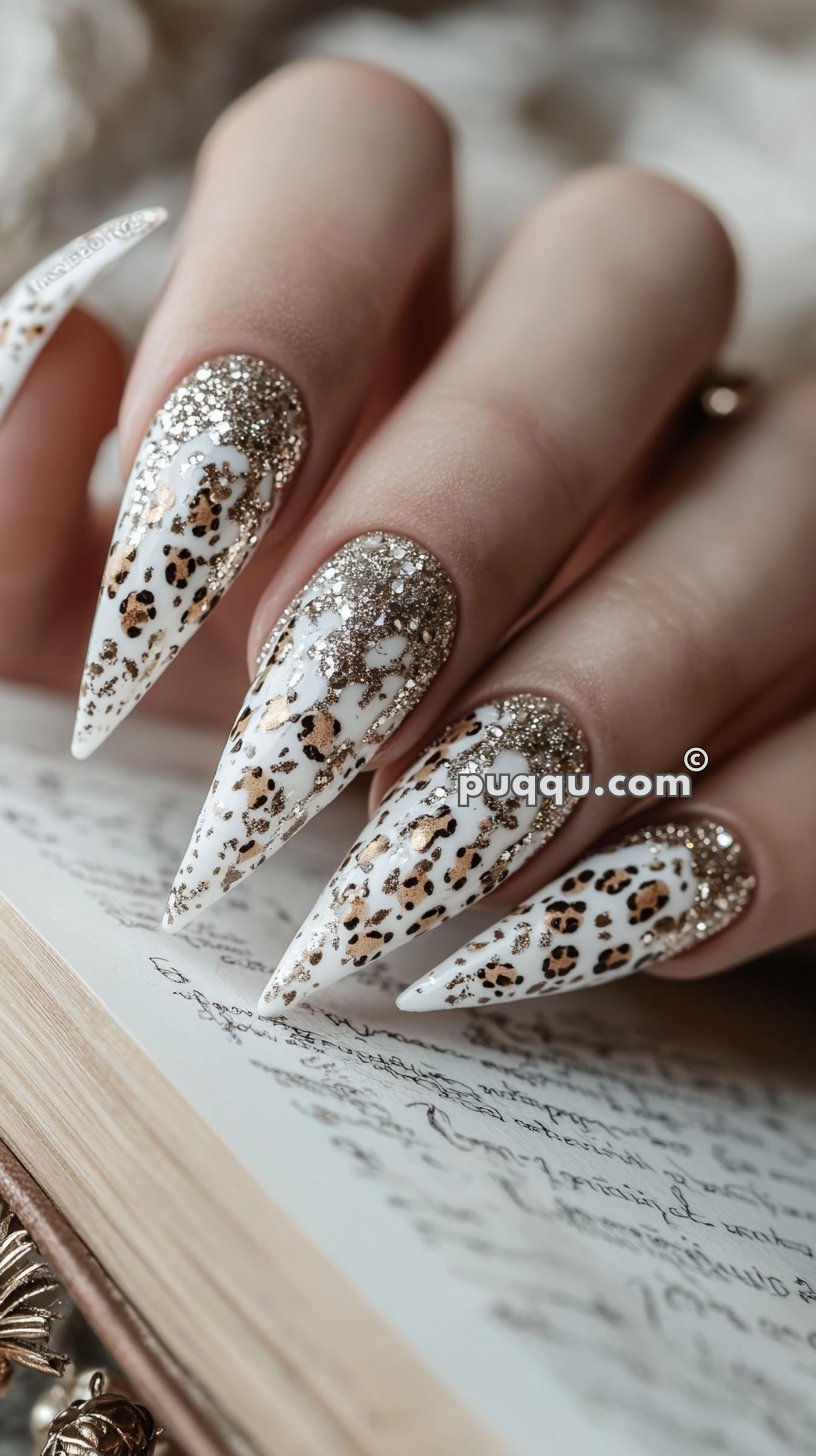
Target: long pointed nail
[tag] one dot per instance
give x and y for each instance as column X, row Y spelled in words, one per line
column 346, row 663
column 34, row 307
column 208, row 481
column 648, row 899
column 431, row 850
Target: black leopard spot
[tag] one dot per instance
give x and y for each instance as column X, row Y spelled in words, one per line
column 614, row 881
column 612, row 959
column 136, row 611
column 647, row 900
column 565, row 917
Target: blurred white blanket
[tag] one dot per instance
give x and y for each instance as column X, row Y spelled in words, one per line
column 103, row 103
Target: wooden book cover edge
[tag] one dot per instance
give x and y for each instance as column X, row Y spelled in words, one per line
column 301, row 1364
column 176, row 1406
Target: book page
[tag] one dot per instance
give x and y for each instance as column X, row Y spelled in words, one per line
column 595, row 1216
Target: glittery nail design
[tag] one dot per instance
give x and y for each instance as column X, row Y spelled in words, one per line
column 346, row 663
column 425, row 856
column 35, row 306
column 210, row 477
column 647, row 899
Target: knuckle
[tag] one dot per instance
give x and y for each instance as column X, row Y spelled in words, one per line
column 557, row 466
column 336, row 84
column 359, row 287
column 230, row 127
column 623, row 205
column 534, row 447
column 796, row 404
column 636, row 192
column 377, row 86
column 693, row 638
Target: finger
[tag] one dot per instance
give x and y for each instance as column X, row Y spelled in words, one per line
column 601, row 313
column 33, row 309
column 649, row 656
column 703, row 894
column 709, row 605
column 790, row 695
column 48, row 445
column 296, row 262
column 604, row 308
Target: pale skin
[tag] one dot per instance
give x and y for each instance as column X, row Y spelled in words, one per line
column 664, row 574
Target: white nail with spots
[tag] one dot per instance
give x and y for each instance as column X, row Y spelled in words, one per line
column 648, row 899
column 36, row 305
column 209, row 479
column 346, row 663
column 430, row 850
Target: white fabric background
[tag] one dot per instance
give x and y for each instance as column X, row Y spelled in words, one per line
column 103, row 103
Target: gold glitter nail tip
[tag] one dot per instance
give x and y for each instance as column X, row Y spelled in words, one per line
column 209, row 479
column 452, row 828
column 345, row 664
column 654, row 895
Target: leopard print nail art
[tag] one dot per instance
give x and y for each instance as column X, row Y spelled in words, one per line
column 346, row 663
column 647, row 899
column 425, row 856
column 31, row 311
column 208, row 481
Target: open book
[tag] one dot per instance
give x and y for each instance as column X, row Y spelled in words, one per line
column 584, row 1227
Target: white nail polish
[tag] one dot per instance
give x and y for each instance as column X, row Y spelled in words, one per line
column 430, row 851
column 648, row 899
column 209, row 479
column 34, row 307
column 348, row 660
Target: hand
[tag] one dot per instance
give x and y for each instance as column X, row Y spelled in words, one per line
column 421, row 491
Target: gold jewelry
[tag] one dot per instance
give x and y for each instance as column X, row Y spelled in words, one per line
column 76, row 1389
column 105, row 1424
column 25, row 1320
column 726, row 396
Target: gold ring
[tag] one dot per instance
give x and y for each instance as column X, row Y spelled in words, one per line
column 727, row 396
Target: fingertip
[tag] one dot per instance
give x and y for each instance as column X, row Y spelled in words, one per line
column 76, row 383
column 86, row 337
column 49, row 442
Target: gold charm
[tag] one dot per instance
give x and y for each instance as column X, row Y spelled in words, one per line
column 106, row 1424
column 77, row 1387
column 25, row 1322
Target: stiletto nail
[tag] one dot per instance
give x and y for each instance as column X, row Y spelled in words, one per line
column 208, row 481
column 346, row 663
column 425, row 856
column 34, row 307
column 647, row 899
